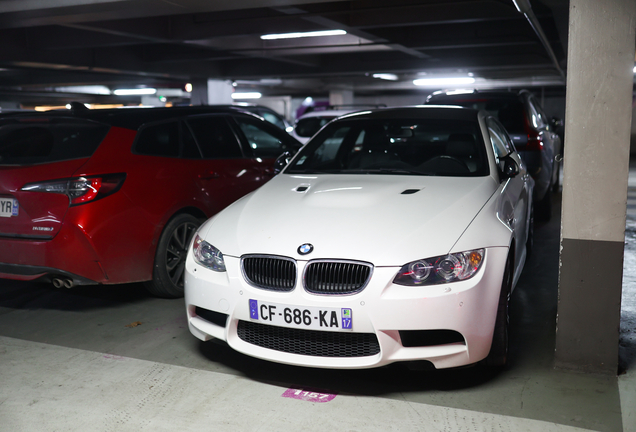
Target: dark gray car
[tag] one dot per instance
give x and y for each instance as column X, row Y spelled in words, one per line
column 531, row 131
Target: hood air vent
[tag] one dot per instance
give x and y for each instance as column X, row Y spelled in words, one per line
column 410, row 191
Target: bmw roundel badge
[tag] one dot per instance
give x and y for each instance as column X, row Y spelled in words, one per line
column 305, row 249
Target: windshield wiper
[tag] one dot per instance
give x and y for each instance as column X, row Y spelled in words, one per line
column 313, row 171
column 387, row 171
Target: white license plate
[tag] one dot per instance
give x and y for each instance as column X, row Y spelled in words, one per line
column 8, row 207
column 304, row 317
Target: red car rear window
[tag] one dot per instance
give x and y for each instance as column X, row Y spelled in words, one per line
column 25, row 142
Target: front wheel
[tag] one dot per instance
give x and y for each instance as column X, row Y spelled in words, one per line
column 169, row 269
column 498, row 356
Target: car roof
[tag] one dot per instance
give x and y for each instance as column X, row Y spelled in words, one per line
column 476, row 94
column 332, row 111
column 326, row 113
column 420, row 111
column 134, row 117
column 253, row 108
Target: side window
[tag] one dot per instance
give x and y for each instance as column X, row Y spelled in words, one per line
column 215, row 137
column 308, row 126
column 499, row 139
column 263, row 143
column 159, row 140
column 272, row 119
column 543, row 118
column 190, row 148
column 537, row 119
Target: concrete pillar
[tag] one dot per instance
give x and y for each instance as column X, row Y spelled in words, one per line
column 151, row 100
column 220, row 92
column 596, row 166
column 211, row 92
column 633, row 145
column 341, row 97
column 199, row 94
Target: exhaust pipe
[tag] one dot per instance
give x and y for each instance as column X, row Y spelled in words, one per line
column 63, row 282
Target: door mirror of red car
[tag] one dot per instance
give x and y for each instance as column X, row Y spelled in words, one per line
column 508, row 168
column 282, row 161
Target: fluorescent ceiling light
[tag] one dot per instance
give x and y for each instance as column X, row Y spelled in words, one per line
column 303, row 34
column 386, row 76
column 443, row 81
column 88, row 89
column 139, row 91
column 635, row 69
column 246, row 95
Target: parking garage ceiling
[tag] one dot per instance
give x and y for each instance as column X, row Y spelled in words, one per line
column 49, row 44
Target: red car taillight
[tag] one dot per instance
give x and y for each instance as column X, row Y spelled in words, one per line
column 80, row 190
column 535, row 141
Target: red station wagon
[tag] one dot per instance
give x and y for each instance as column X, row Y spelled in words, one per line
column 114, row 196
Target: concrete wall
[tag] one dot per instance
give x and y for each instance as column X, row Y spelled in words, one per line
column 633, row 140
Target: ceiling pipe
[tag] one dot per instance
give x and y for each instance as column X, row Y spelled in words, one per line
column 525, row 8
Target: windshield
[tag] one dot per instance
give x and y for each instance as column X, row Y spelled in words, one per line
column 307, row 127
column 395, row 146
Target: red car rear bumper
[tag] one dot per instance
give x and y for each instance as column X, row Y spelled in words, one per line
column 69, row 254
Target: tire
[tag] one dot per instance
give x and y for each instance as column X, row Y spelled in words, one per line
column 169, row 268
column 498, row 355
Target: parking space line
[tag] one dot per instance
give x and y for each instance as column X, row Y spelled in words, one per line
column 47, row 387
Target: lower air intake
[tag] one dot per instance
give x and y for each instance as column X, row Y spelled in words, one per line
column 309, row 342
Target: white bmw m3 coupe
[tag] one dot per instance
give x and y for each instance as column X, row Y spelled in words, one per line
column 395, row 234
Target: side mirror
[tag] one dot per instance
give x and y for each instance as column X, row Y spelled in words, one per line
column 509, row 168
column 282, row 161
column 557, row 122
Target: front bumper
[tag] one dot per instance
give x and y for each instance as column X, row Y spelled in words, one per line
column 217, row 305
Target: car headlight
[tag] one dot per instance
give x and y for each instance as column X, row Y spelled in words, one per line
column 441, row 269
column 207, row 255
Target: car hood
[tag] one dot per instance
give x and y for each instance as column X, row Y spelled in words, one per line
column 387, row 220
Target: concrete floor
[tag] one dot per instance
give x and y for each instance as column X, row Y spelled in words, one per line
column 78, row 360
